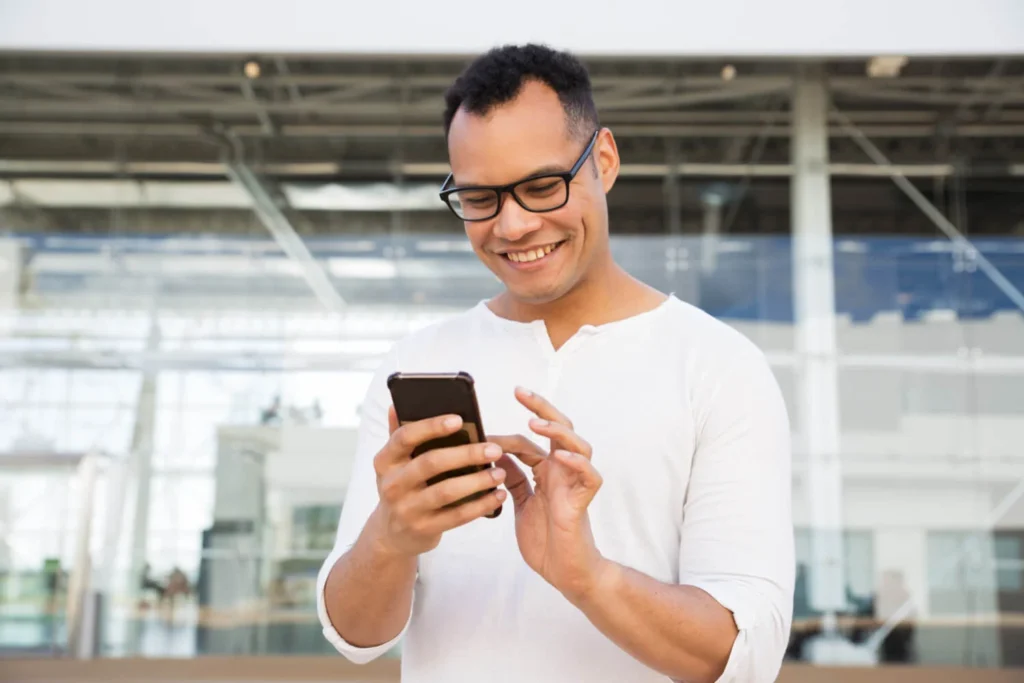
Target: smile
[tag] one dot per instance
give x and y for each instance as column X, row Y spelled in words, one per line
column 531, row 255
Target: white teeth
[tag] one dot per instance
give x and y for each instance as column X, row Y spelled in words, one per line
column 531, row 255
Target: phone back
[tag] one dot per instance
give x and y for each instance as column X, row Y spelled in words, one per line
column 420, row 396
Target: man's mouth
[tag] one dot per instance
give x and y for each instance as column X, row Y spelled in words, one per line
column 534, row 254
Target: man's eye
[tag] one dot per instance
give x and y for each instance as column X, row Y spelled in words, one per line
column 477, row 198
column 542, row 188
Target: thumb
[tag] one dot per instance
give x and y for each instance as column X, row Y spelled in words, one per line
column 515, row 481
column 392, row 420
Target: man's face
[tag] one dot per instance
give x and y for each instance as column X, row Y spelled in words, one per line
column 538, row 256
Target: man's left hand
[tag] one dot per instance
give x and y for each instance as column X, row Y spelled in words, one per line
column 552, row 524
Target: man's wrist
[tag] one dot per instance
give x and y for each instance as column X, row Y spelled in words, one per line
column 382, row 551
column 601, row 584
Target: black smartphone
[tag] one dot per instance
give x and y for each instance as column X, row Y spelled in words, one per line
column 419, row 396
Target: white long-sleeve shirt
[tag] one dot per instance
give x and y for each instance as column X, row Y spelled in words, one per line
column 690, row 434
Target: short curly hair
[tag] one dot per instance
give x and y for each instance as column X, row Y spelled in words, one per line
column 497, row 76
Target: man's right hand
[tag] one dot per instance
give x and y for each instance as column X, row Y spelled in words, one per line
column 411, row 516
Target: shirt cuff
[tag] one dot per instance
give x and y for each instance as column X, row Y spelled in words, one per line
column 736, row 668
column 357, row 655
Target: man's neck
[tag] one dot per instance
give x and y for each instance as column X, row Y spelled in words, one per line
column 604, row 297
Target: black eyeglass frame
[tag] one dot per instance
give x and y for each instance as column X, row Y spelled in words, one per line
column 502, row 190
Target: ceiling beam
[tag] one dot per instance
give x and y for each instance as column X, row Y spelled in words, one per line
column 431, row 106
column 76, row 189
column 927, row 97
column 284, row 234
column 689, row 99
column 600, row 79
column 394, row 131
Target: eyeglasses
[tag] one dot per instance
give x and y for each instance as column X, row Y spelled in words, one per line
column 538, row 193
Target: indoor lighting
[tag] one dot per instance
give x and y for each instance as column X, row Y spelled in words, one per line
column 886, row 67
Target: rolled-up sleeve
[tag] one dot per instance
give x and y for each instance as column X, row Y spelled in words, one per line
column 736, row 541
column 360, row 501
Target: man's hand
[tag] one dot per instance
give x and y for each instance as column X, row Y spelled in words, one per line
column 411, row 516
column 552, row 524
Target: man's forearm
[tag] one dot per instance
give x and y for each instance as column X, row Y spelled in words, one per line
column 368, row 593
column 680, row 631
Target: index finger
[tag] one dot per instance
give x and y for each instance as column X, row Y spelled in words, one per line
column 521, row 447
column 410, row 435
column 541, row 407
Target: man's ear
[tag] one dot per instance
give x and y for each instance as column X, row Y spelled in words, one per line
column 606, row 159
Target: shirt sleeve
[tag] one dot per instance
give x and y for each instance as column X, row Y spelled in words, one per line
column 360, row 501
column 736, row 541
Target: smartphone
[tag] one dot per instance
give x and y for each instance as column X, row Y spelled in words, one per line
column 419, row 396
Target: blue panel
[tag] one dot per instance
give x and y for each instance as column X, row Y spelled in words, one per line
column 751, row 278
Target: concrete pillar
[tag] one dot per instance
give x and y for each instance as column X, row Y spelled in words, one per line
column 814, row 309
column 142, row 476
column 712, row 202
column 673, row 195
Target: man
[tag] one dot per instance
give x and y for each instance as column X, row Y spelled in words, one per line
column 646, row 534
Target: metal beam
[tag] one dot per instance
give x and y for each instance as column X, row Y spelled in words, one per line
column 427, row 108
column 926, row 97
column 338, row 98
column 623, row 127
column 685, row 99
column 110, row 78
column 266, row 124
column 334, row 80
column 933, row 213
column 293, row 89
column 281, row 229
column 82, row 184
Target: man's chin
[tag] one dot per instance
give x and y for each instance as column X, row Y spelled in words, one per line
column 536, row 296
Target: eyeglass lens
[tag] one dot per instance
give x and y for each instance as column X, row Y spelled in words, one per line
column 536, row 194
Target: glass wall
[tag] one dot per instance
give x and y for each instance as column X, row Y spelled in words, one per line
column 930, row 369
column 183, row 354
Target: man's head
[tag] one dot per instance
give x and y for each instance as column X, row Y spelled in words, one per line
column 525, row 116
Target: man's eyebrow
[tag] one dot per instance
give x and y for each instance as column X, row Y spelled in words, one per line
column 542, row 170
column 546, row 170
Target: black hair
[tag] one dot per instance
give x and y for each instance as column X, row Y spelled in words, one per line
column 496, row 77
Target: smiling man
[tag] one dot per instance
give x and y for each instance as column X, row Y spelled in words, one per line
column 646, row 459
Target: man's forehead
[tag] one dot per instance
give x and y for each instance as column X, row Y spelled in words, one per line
column 535, row 108
column 503, row 146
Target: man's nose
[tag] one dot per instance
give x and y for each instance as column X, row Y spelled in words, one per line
column 514, row 222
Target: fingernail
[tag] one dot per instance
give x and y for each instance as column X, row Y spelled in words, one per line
column 497, row 474
column 500, row 494
column 451, row 422
column 524, row 391
column 492, row 450
column 537, row 422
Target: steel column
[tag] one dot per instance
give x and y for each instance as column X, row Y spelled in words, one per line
column 814, row 309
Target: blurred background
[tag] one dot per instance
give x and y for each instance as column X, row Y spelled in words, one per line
column 214, row 220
